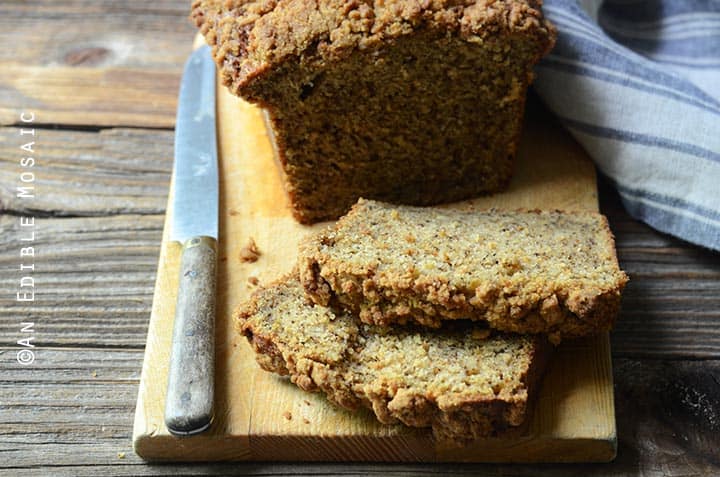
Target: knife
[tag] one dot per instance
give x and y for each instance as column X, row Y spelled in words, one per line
column 194, row 223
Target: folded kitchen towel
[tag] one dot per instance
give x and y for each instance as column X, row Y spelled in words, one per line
column 637, row 82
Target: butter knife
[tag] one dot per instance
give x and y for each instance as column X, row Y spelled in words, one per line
column 194, row 223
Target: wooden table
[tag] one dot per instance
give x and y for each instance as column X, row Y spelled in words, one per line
column 101, row 78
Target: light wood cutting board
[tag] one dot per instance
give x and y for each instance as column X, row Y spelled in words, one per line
column 260, row 416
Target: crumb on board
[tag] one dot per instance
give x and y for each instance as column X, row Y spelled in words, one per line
column 305, row 421
column 307, row 403
column 287, row 415
column 252, row 280
column 121, row 455
column 249, row 252
column 94, row 374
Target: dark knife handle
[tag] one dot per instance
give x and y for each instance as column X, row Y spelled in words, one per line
column 190, row 393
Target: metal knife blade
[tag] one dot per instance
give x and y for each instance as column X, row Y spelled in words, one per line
column 195, row 204
column 194, row 223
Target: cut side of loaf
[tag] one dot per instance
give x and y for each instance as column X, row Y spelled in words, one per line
column 403, row 101
column 522, row 271
column 460, row 381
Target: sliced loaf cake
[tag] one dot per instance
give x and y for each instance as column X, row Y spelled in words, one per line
column 460, row 381
column 522, row 271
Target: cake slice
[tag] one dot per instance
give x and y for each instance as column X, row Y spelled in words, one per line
column 407, row 101
column 527, row 272
column 461, row 382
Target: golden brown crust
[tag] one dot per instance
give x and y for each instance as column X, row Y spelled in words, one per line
column 522, row 271
column 461, row 383
column 249, row 37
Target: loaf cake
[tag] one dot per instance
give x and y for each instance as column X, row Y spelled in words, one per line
column 461, row 382
column 407, row 101
column 521, row 271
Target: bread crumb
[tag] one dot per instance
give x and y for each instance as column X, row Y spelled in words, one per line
column 121, row 455
column 287, row 415
column 94, row 374
column 307, row 403
column 305, row 421
column 253, row 280
column 250, row 252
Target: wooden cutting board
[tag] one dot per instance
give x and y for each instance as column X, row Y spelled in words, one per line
column 260, row 416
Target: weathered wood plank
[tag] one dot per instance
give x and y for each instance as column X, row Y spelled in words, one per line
column 98, row 33
column 93, row 278
column 113, row 171
column 89, row 96
column 93, row 63
column 70, row 414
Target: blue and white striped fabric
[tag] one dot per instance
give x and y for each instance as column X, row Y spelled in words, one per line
column 637, row 83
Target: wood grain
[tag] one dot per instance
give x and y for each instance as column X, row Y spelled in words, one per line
column 93, row 63
column 668, row 421
column 93, row 279
column 574, row 419
column 133, row 33
column 88, row 173
column 82, row 96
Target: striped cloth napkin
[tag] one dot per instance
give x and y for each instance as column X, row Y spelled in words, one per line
column 637, row 83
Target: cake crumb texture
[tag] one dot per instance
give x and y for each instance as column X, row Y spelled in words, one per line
column 545, row 272
column 461, row 385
